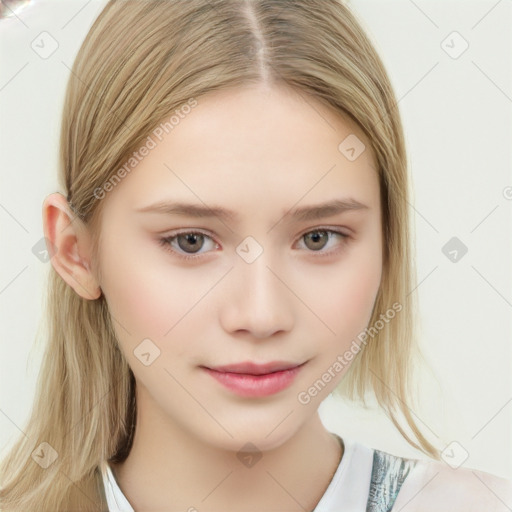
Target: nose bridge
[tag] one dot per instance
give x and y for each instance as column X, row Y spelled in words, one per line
column 260, row 302
column 260, row 282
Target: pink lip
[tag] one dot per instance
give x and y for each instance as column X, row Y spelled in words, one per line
column 253, row 380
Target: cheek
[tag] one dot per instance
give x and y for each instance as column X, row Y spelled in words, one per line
column 348, row 299
column 141, row 296
column 362, row 286
column 150, row 297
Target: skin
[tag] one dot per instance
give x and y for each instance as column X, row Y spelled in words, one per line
column 260, row 152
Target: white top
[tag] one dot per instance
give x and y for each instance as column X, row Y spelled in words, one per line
column 348, row 489
column 427, row 485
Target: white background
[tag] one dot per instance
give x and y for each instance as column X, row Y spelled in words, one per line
column 456, row 114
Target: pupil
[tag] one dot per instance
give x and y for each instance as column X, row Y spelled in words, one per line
column 192, row 239
column 316, row 237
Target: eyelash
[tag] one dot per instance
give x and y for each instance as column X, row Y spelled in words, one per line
column 166, row 242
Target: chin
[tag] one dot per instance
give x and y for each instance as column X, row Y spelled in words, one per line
column 264, row 435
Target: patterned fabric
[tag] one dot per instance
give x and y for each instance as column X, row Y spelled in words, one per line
column 388, row 475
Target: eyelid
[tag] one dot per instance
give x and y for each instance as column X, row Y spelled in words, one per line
column 166, row 244
column 334, row 230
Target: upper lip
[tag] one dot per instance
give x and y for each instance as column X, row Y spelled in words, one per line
column 250, row 368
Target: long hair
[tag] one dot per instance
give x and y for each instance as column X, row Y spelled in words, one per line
column 140, row 61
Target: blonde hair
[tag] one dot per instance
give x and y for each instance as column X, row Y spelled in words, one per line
column 140, row 61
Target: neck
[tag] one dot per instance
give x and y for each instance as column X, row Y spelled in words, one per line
column 168, row 466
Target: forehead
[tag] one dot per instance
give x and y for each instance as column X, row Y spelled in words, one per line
column 253, row 147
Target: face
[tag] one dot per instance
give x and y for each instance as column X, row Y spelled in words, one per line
column 229, row 320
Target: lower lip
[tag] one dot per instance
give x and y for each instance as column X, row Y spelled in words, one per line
column 255, row 385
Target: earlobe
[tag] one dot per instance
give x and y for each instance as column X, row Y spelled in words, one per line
column 69, row 246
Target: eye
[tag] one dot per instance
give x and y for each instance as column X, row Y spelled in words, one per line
column 186, row 244
column 319, row 238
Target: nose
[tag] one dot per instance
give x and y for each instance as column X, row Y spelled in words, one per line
column 258, row 300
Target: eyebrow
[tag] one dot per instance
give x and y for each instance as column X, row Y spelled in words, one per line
column 304, row 213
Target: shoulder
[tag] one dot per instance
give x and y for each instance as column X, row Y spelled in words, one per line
column 433, row 485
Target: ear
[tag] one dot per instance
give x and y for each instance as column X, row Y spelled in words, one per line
column 69, row 246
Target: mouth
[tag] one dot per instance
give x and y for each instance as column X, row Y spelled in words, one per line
column 255, row 380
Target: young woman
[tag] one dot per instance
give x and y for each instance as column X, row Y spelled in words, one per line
column 231, row 246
